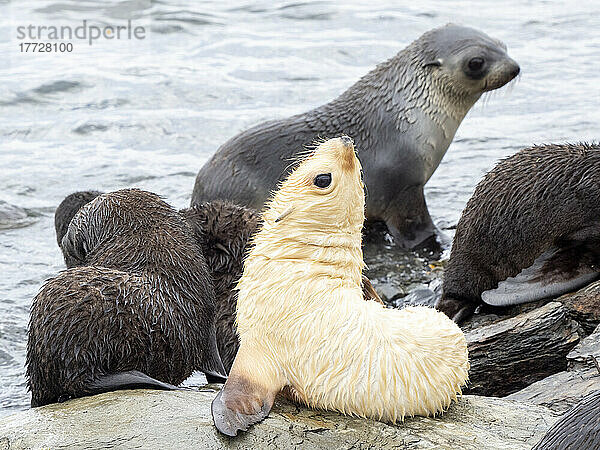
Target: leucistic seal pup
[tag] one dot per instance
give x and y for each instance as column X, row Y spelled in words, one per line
column 531, row 230
column 139, row 313
column 403, row 115
column 303, row 323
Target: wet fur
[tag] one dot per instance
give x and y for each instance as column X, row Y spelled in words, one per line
column 402, row 115
column 303, row 323
column 138, row 297
column 223, row 231
column 68, row 208
column 539, row 198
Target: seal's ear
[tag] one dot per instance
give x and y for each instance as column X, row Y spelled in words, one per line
column 436, row 63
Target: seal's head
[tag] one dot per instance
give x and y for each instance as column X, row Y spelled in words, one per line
column 110, row 229
column 466, row 60
column 325, row 191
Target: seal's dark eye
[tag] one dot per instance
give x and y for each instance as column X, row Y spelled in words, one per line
column 475, row 64
column 322, row 180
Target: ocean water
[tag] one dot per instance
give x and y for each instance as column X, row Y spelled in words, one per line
column 149, row 112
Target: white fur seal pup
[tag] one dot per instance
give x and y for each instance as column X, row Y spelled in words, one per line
column 403, row 115
column 530, row 231
column 303, row 323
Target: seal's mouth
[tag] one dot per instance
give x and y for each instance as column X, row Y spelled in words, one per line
column 346, row 153
column 499, row 78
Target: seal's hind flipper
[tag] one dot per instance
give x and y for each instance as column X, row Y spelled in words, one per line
column 555, row 272
column 132, row 379
column 248, row 394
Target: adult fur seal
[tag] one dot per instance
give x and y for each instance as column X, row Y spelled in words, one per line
column 223, row 231
column 403, row 116
column 577, row 429
column 140, row 314
column 531, row 230
column 302, row 321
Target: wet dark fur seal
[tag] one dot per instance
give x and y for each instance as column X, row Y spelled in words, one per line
column 577, row 429
column 402, row 115
column 139, row 313
column 223, row 230
column 530, row 231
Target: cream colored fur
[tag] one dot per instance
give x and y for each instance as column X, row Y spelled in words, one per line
column 302, row 319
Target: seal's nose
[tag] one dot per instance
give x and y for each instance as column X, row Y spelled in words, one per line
column 514, row 69
column 347, row 140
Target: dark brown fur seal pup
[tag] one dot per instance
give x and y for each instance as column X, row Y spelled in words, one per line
column 140, row 314
column 223, row 231
column 531, row 230
column 577, row 429
column 402, row 115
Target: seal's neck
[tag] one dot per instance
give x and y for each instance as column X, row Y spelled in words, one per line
column 409, row 93
column 288, row 269
column 334, row 253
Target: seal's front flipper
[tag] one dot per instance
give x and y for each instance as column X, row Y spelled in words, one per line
column 248, row 394
column 132, row 379
column 228, row 415
column 456, row 309
column 410, row 224
column 557, row 271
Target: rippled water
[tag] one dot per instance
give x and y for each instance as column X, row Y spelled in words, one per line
column 149, row 112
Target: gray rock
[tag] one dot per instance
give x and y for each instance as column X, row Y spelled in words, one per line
column 581, row 355
column 584, row 306
column 563, row 390
column 560, row 391
column 511, row 354
column 155, row 419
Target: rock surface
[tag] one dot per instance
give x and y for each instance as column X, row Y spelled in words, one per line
column 563, row 390
column 155, row 419
column 560, row 391
column 584, row 306
column 583, row 354
column 511, row 354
